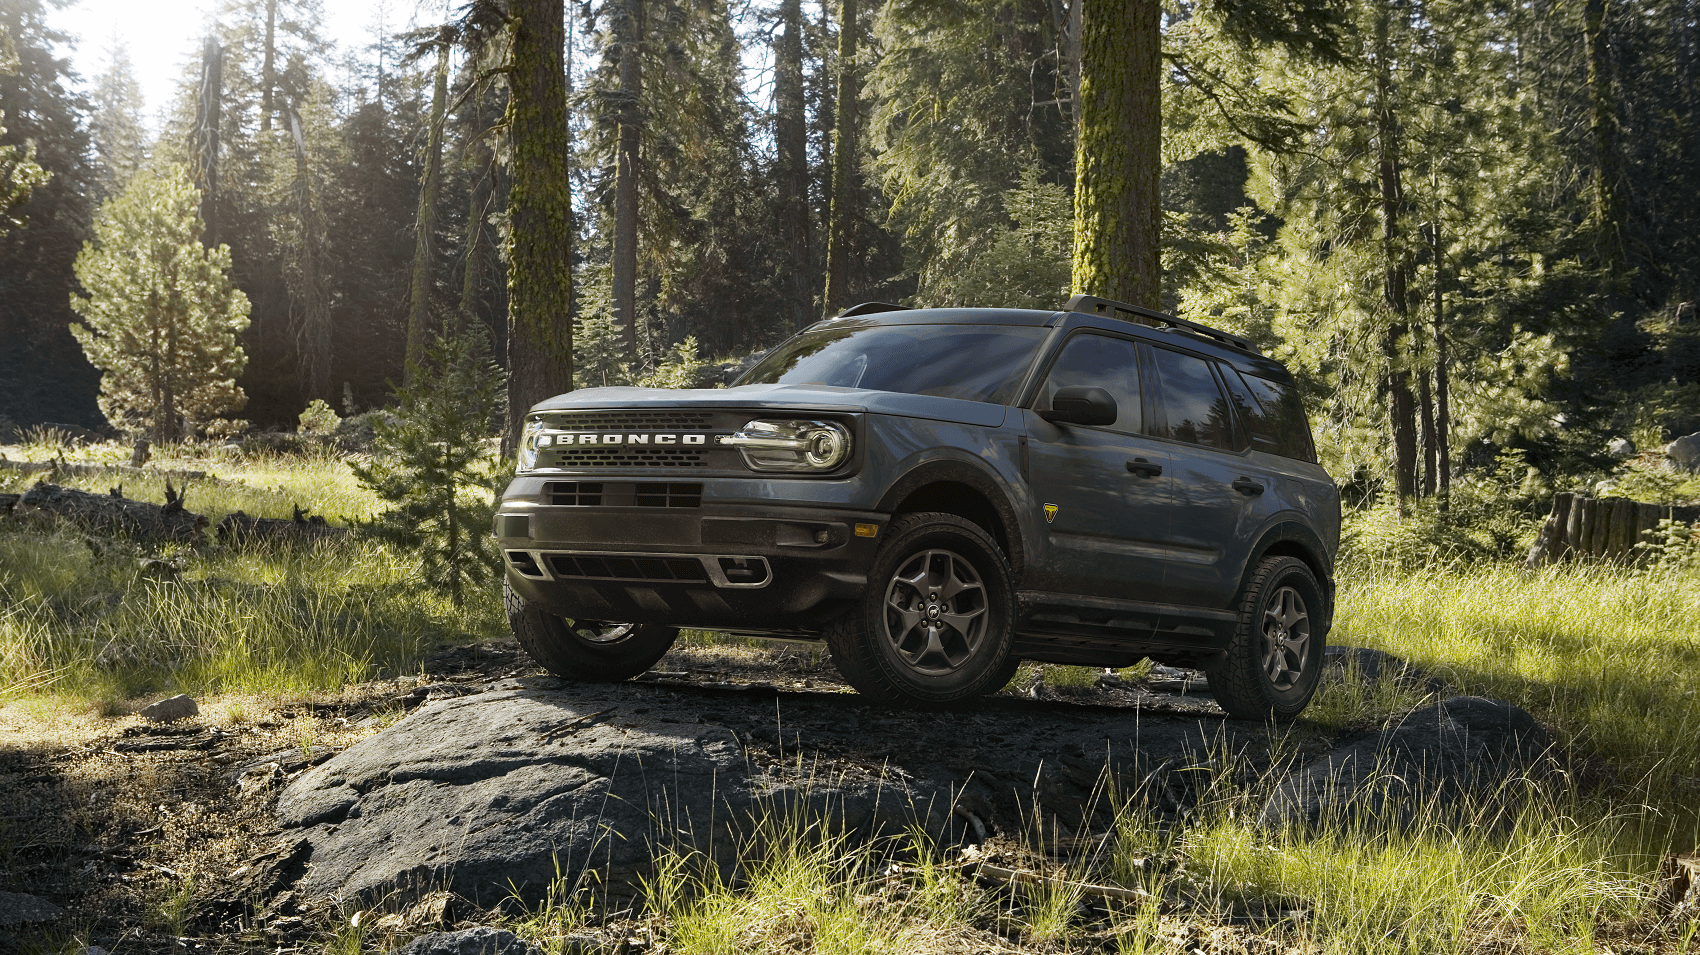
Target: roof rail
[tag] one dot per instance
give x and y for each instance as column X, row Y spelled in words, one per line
column 1093, row 305
column 869, row 308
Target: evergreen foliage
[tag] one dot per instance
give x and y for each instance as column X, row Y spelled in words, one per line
column 161, row 317
column 433, row 463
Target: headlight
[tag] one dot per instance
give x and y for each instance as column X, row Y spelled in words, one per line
column 528, row 445
column 792, row 445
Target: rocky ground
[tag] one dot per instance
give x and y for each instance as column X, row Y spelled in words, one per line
column 430, row 800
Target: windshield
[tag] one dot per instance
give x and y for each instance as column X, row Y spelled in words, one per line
column 973, row 362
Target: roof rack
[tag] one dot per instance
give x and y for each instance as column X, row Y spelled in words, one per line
column 1093, row 305
column 869, row 308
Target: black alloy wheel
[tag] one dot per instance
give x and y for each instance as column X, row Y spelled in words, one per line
column 588, row 651
column 1274, row 661
column 933, row 626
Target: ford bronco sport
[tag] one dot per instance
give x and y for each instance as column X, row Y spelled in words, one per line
column 939, row 494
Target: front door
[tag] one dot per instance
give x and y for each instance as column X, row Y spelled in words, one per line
column 1104, row 490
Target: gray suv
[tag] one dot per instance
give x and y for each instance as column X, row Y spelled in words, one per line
column 939, row 494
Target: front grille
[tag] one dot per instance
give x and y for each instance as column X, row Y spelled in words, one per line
column 632, row 421
column 619, row 457
column 626, row 568
column 622, row 494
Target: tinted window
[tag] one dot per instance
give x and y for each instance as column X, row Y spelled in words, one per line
column 1278, row 424
column 1103, row 362
column 1193, row 406
column 975, row 362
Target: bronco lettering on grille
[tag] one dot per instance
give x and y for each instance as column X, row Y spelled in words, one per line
column 608, row 437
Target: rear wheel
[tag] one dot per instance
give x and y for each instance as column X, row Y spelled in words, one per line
column 589, row 651
column 933, row 626
column 1274, row 661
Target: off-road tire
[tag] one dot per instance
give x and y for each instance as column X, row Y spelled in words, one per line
column 1242, row 682
column 556, row 644
column 893, row 670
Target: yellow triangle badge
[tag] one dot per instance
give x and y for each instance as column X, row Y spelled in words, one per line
column 1050, row 513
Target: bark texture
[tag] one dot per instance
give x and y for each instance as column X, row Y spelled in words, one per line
column 1118, row 152
column 790, row 135
column 841, row 217
column 1401, row 405
column 629, row 29
column 540, row 238
column 425, row 244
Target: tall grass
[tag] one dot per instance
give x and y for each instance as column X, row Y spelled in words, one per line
column 87, row 619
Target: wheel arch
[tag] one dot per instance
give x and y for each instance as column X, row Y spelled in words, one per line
column 1293, row 539
column 968, row 492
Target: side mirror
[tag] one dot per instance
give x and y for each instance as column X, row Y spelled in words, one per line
column 1081, row 404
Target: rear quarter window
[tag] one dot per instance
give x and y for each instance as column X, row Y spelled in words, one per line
column 1275, row 416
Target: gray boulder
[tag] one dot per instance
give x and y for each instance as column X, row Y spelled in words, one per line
column 1620, row 448
column 1438, row 761
column 169, row 710
column 1684, row 452
column 504, row 791
column 483, row 940
column 16, row 908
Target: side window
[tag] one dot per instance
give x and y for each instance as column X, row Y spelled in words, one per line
column 1195, row 410
column 1099, row 360
column 1278, row 423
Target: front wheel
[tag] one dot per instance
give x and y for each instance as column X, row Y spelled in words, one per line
column 589, row 651
column 1274, row 661
column 933, row 627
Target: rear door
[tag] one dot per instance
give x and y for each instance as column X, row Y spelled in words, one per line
column 1104, row 490
column 1222, row 493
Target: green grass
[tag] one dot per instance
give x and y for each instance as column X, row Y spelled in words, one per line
column 86, row 623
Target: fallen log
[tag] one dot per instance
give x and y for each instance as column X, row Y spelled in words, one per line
column 239, row 528
column 113, row 513
column 972, row 861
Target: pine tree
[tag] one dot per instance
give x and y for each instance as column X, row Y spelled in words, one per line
column 161, row 318
column 19, row 173
column 120, row 142
column 433, row 464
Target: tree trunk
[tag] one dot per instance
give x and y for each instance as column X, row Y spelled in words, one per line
column 309, row 304
column 540, row 212
column 1603, row 122
column 208, row 109
column 1118, row 155
column 1401, row 413
column 629, row 32
column 791, row 141
column 1425, row 415
column 841, row 217
column 425, row 246
column 268, row 69
column 1442, row 402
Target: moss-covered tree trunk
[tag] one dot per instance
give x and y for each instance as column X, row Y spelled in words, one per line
column 1118, row 152
column 841, row 215
column 629, row 30
column 425, row 241
column 540, row 236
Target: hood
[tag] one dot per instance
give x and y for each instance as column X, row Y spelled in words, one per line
column 788, row 398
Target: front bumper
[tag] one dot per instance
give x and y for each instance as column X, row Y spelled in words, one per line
column 778, row 568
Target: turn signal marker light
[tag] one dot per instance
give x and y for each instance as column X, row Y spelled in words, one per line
column 867, row 530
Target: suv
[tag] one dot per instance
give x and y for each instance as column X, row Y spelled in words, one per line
column 939, row 494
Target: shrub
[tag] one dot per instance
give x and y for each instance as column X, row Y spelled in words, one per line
column 318, row 418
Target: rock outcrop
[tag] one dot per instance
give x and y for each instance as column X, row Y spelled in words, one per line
column 1435, row 763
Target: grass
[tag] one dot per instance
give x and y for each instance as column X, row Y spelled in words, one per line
column 85, row 621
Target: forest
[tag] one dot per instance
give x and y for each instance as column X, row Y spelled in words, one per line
column 262, row 364
column 1469, row 226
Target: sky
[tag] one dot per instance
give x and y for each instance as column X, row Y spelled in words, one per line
column 164, row 35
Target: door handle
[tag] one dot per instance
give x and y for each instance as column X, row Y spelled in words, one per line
column 1142, row 466
column 1247, row 486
